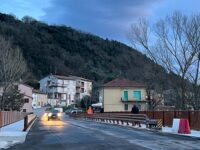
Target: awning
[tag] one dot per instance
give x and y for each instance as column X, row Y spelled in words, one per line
column 97, row 105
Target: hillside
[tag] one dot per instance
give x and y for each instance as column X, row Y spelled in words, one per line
column 63, row 50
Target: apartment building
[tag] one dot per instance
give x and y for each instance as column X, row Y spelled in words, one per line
column 65, row 90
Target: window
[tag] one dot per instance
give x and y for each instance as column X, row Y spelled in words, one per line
column 26, row 100
column 126, row 107
column 82, row 90
column 24, row 110
column 126, row 95
column 137, row 95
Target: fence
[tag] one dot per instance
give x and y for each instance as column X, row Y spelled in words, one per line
column 8, row 117
column 167, row 117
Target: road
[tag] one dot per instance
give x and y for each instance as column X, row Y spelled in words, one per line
column 71, row 134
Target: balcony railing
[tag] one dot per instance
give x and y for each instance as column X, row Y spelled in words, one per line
column 132, row 100
column 57, row 84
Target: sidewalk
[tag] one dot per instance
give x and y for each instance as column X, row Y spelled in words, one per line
column 12, row 134
column 194, row 133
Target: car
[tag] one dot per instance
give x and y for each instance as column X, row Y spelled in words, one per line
column 74, row 110
column 54, row 114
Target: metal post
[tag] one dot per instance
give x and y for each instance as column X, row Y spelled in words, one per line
column 189, row 118
column 25, row 122
column 163, row 120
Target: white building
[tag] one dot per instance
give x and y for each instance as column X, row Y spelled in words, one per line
column 39, row 99
column 65, row 90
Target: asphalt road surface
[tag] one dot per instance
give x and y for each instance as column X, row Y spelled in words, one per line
column 71, row 134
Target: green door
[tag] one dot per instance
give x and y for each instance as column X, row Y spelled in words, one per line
column 126, row 95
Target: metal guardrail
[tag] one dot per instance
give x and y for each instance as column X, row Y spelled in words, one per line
column 134, row 119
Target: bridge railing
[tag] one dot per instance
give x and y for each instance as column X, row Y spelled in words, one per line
column 9, row 117
column 166, row 116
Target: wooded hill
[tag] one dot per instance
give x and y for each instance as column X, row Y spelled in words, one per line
column 63, row 50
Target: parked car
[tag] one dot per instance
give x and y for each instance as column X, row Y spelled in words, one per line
column 54, row 114
column 74, row 110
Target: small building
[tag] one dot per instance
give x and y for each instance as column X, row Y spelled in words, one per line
column 27, row 93
column 39, row 99
column 121, row 94
column 65, row 90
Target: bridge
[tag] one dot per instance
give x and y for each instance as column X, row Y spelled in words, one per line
column 73, row 134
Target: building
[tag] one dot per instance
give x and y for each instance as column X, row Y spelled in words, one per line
column 39, row 99
column 65, row 90
column 27, row 93
column 121, row 94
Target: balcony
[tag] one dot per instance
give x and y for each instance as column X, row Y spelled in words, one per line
column 56, row 84
column 132, row 100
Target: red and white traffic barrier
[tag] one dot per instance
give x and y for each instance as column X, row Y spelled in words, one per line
column 181, row 126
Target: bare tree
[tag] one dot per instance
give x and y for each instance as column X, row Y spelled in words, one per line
column 193, row 74
column 12, row 67
column 169, row 43
column 153, row 99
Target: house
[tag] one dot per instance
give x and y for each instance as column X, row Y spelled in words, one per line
column 39, row 99
column 121, row 94
column 65, row 90
column 27, row 93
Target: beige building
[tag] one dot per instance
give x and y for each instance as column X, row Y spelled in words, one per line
column 121, row 95
column 27, row 93
column 39, row 99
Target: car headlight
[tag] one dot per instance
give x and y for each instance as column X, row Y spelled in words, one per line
column 59, row 114
column 49, row 114
column 45, row 114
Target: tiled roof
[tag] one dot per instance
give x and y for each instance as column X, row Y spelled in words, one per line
column 123, row 83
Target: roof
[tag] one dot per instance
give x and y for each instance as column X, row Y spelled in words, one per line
column 70, row 77
column 63, row 77
column 123, row 83
column 39, row 92
column 80, row 78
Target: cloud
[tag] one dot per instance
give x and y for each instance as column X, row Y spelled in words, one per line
column 107, row 18
column 20, row 8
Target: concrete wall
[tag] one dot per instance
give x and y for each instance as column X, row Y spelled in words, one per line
column 112, row 99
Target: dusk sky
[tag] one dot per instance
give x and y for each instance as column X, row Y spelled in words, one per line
column 106, row 18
